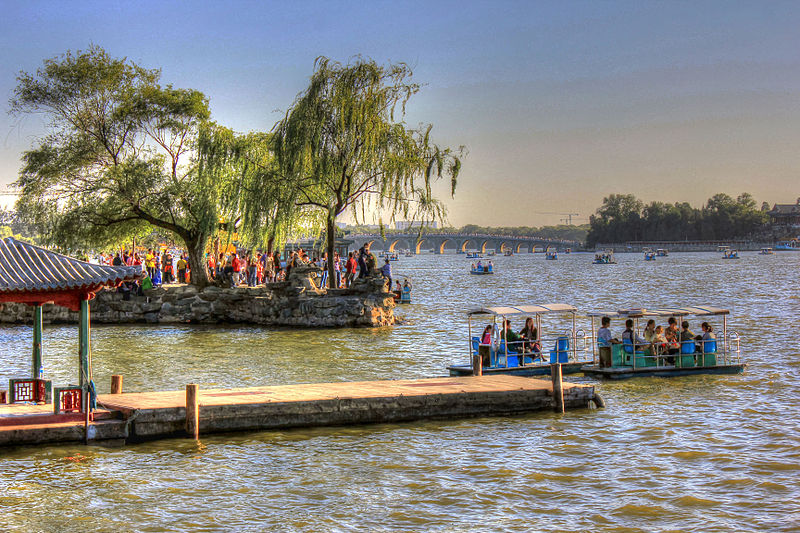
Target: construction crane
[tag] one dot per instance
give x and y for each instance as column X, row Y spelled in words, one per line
column 568, row 216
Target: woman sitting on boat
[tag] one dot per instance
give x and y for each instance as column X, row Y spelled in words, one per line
column 708, row 335
column 530, row 336
column 639, row 343
column 513, row 341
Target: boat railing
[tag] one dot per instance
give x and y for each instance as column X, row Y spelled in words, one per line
column 733, row 353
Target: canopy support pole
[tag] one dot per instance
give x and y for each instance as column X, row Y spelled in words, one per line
column 83, row 343
column 36, row 367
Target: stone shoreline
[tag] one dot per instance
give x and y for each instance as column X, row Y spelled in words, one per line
column 296, row 302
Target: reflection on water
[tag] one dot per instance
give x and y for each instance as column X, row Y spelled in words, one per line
column 711, row 453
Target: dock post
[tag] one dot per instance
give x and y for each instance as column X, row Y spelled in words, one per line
column 477, row 364
column 558, row 389
column 116, row 384
column 192, row 411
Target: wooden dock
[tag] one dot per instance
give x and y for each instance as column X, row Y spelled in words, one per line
column 133, row 417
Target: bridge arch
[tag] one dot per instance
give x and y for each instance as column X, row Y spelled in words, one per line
column 503, row 246
column 518, row 247
column 442, row 244
column 463, row 246
column 418, row 246
column 392, row 245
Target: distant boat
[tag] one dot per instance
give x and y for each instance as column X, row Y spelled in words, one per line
column 662, row 252
column 552, row 256
column 605, row 258
column 481, row 269
column 508, row 253
column 788, row 246
column 474, row 255
column 766, row 251
column 649, row 255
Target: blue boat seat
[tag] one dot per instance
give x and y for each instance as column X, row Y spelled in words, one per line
column 688, row 347
column 476, row 341
column 560, row 352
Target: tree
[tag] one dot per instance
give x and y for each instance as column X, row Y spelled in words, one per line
column 343, row 146
column 117, row 159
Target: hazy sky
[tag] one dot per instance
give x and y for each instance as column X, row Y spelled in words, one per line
column 559, row 103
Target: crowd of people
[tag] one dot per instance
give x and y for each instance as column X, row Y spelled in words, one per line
column 655, row 340
column 251, row 268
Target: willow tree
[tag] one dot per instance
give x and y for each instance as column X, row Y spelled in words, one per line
column 256, row 199
column 119, row 156
column 344, row 146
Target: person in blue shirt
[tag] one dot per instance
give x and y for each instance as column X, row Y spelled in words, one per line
column 386, row 270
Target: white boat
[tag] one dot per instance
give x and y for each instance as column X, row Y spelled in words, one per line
column 713, row 356
column 528, row 357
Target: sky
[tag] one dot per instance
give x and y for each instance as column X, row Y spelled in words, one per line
column 559, row 104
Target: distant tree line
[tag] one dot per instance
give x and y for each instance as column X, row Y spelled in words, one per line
column 623, row 217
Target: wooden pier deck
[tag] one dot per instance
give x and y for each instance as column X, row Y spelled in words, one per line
column 148, row 415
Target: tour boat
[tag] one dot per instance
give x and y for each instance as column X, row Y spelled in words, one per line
column 521, row 359
column 649, row 255
column 481, row 269
column 721, row 355
column 730, row 254
column 766, row 251
column 474, row 255
column 605, row 258
column 568, row 250
column 409, row 254
column 551, row 255
column 393, row 257
column 492, row 253
column 661, row 252
column 508, row 253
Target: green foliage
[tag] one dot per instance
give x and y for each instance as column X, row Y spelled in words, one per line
column 118, row 157
column 624, row 218
column 343, row 146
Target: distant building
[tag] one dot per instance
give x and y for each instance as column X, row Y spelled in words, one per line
column 405, row 224
column 785, row 214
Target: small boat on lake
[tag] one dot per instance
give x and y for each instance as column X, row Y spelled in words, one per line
column 632, row 358
column 649, row 255
column 529, row 356
column 552, row 255
column 766, row 251
column 403, row 293
column 492, row 253
column 568, row 250
column 788, row 246
column 508, row 253
column 481, row 269
column 728, row 253
column 605, row 258
column 661, row 252
column 474, row 255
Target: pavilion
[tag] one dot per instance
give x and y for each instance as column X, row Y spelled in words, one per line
column 35, row 276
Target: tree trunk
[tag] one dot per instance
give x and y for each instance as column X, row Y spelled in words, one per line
column 331, row 246
column 196, row 246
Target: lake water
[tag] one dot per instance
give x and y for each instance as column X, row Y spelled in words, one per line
column 704, row 453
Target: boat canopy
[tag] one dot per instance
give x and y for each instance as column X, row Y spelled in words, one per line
column 705, row 310
column 539, row 309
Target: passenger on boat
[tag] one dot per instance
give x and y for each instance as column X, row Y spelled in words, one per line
column 672, row 334
column 686, row 333
column 660, row 341
column 708, row 335
column 531, row 337
column 604, row 342
column 485, row 347
column 480, row 266
column 650, row 331
column 513, row 341
column 639, row 343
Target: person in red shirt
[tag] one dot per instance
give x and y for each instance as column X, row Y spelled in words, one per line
column 350, row 269
column 237, row 267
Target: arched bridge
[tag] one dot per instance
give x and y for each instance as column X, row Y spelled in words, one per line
column 440, row 242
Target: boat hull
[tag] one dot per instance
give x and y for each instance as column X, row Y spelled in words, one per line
column 622, row 372
column 527, row 370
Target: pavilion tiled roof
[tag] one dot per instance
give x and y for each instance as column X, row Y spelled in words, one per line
column 25, row 267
